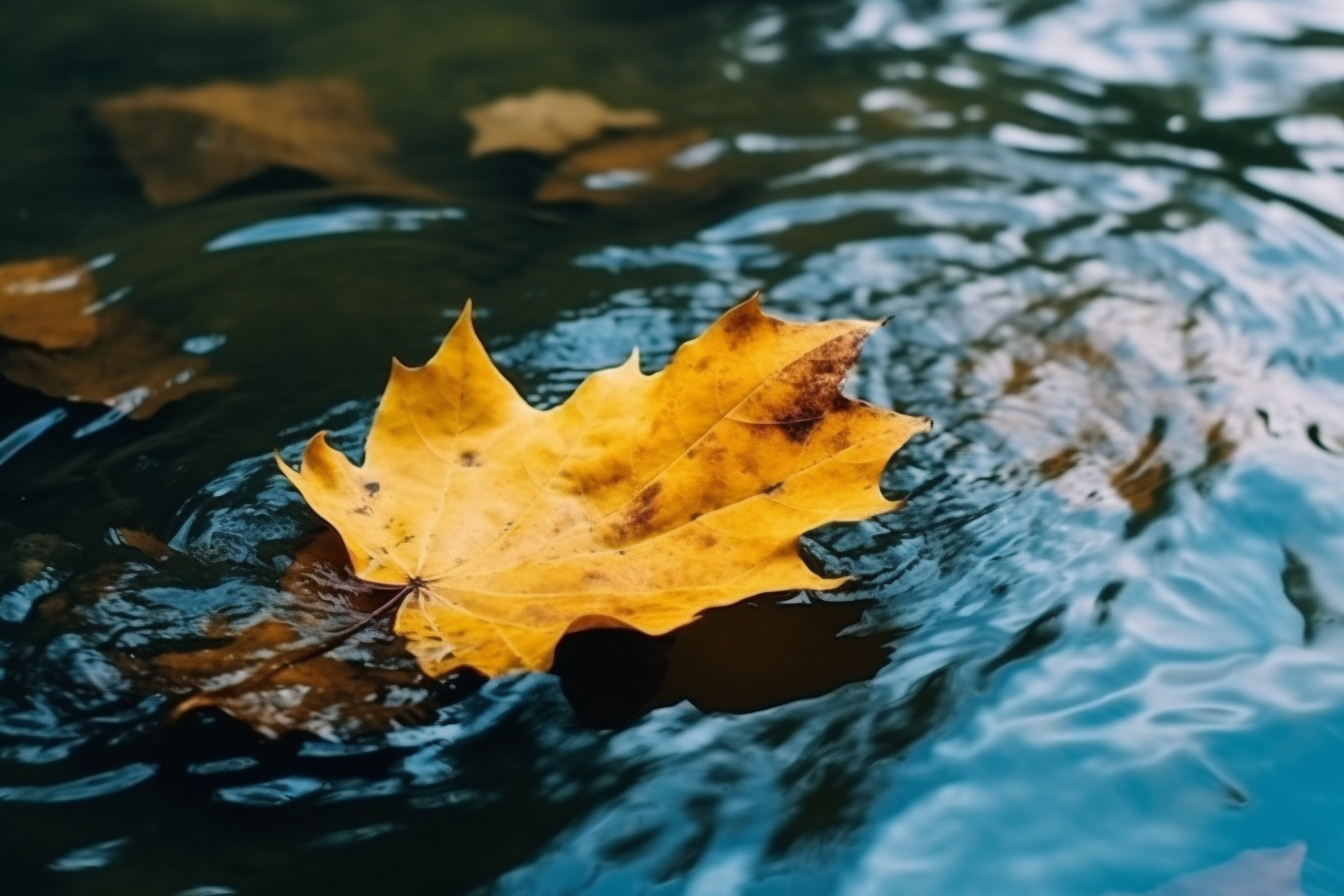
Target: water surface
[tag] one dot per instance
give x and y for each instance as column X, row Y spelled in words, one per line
column 1100, row 648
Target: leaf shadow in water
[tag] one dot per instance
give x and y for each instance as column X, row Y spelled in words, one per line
column 750, row 656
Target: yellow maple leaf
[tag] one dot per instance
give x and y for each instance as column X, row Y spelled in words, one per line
column 639, row 502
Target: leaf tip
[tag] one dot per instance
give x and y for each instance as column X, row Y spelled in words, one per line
column 464, row 320
column 315, row 446
column 830, row 584
column 283, row 465
column 461, row 334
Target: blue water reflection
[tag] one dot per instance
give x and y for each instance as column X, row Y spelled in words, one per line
column 357, row 219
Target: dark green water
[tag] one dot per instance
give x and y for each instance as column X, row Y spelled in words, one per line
column 1103, row 646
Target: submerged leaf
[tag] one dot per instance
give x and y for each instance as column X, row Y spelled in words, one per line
column 322, row 695
column 132, row 368
column 46, row 302
column 186, row 144
column 623, row 169
column 145, row 542
column 548, row 122
column 26, row 557
column 639, row 502
column 245, row 676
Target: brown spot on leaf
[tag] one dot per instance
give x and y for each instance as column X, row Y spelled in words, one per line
column 817, row 380
column 738, row 323
column 839, row 440
column 469, row 459
column 799, row 430
column 371, row 487
column 639, row 518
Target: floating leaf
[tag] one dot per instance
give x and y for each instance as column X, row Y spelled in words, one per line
column 548, row 122
column 186, row 144
column 132, row 368
column 46, row 302
column 624, row 169
column 639, row 502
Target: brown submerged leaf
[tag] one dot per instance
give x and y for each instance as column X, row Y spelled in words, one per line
column 186, row 144
column 319, row 693
column 548, row 122
column 625, row 169
column 132, row 367
column 25, row 557
column 46, row 302
column 323, row 695
column 146, row 543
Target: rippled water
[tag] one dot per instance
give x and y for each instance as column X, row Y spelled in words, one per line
column 1101, row 647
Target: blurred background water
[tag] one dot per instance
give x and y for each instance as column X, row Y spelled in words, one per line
column 1100, row 648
